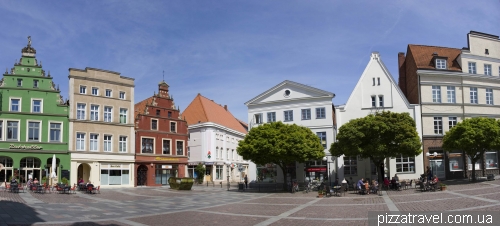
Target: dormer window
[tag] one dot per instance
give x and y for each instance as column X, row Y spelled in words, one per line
column 440, row 63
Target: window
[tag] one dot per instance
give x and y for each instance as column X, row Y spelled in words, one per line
column 378, row 81
column 147, row 145
column 491, row 160
column 166, row 147
column 154, row 124
column 477, row 166
column 107, row 143
column 487, row 69
column 94, row 112
column 472, row 68
column 450, row 93
column 123, row 115
column 405, row 164
column 489, row 96
column 306, row 114
column 122, row 95
column 180, row 148
column 1, row 130
column 322, row 138
column 36, row 106
column 258, row 118
column 373, row 81
column 436, row 94
column 95, row 91
column 473, row 95
column 83, row 89
column 108, row 93
column 169, row 114
column 381, row 101
column 122, row 144
column 452, row 122
column 107, row 114
column 218, row 172
column 438, row 125
column 350, row 166
column 19, row 82
column 232, row 155
column 158, row 112
column 94, row 140
column 320, row 113
column 456, row 161
column 271, row 117
column 35, row 83
column 172, row 127
column 80, row 141
column 288, row 116
column 227, row 154
column 12, row 129
column 33, row 131
column 14, row 104
column 55, row 132
column 80, row 111
column 440, row 63
column 374, row 101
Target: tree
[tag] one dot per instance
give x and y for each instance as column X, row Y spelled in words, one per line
column 281, row 144
column 377, row 137
column 200, row 173
column 474, row 136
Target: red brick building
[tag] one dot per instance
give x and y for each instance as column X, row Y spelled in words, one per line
column 161, row 139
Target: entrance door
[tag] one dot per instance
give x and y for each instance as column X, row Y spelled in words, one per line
column 437, row 167
column 142, row 175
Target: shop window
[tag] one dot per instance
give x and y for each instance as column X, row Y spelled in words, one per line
column 218, row 172
column 491, row 160
column 477, row 166
column 456, row 161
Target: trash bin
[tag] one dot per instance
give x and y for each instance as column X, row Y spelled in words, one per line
column 241, row 186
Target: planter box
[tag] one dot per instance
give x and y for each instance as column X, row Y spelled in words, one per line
column 178, row 183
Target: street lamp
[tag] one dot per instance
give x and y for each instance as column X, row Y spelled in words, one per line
column 328, row 168
column 435, row 154
column 228, row 164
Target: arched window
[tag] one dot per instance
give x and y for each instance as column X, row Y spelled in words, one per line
column 6, row 161
column 30, row 162
column 216, row 152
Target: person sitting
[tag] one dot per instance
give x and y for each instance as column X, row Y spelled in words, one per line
column 360, row 184
column 29, row 183
column 80, row 181
column 336, row 183
column 367, row 187
column 433, row 183
column 35, row 181
column 386, row 182
column 374, row 186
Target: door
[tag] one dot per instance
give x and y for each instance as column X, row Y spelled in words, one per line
column 437, row 168
column 142, row 174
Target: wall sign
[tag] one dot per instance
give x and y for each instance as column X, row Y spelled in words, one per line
column 166, row 159
column 25, row 147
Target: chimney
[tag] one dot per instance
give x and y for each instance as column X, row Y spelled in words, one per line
column 402, row 72
column 225, row 107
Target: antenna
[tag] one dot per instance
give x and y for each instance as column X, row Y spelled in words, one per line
column 163, row 75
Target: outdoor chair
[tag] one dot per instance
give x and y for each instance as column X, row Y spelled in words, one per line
column 328, row 192
column 410, row 185
column 73, row 189
column 98, row 190
column 402, row 185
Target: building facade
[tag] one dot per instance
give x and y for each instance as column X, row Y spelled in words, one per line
column 295, row 103
column 33, row 122
column 101, row 130
column 161, row 139
column 453, row 84
column 377, row 91
column 214, row 134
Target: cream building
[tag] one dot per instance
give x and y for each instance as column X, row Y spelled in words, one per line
column 101, row 138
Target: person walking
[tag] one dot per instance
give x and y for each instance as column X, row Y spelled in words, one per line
column 246, row 181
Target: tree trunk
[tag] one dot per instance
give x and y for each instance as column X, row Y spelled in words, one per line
column 284, row 170
column 380, row 172
column 473, row 161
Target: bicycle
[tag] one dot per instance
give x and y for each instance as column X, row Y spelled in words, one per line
column 307, row 187
column 295, row 187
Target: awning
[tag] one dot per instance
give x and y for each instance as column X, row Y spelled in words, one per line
column 316, row 169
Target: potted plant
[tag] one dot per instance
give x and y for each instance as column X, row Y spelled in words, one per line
column 44, row 179
column 443, row 186
column 64, row 180
column 320, row 193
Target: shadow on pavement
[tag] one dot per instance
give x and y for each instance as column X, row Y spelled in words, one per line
column 16, row 213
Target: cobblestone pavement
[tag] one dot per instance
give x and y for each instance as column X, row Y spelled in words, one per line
column 216, row 206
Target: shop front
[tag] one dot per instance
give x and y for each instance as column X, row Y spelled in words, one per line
column 316, row 173
column 102, row 170
column 25, row 166
column 156, row 170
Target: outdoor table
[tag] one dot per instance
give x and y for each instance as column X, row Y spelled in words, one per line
column 336, row 190
column 39, row 188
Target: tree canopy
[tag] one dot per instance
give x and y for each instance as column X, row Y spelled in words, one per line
column 377, row 137
column 281, row 144
column 474, row 136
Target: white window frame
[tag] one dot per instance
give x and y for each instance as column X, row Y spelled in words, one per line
column 219, row 172
column 35, row 83
column 108, row 93
column 107, row 144
column 18, row 106
column 33, row 105
column 2, row 134
column 108, row 116
column 487, row 69
column 288, row 116
column 258, row 118
column 440, row 63
column 473, row 95
column 381, row 101
column 305, row 114
column 157, row 125
column 472, row 67
column 320, row 113
column 177, row 148
column 122, row 95
column 96, row 89
column 169, row 147
column 39, row 130
column 373, row 81
column 438, row 125
column 94, row 142
column 489, row 96
column 348, row 160
column 271, row 116
column 21, row 82
column 488, row 163
column 452, row 122
column 123, row 115
column 153, row 145
column 94, row 113
column 61, row 128
column 122, row 144
column 374, row 101
column 436, row 94
column 18, row 134
column 83, row 111
column 83, row 89
column 378, row 81
column 405, row 160
column 450, row 93
column 82, row 140
column 323, row 142
column 175, row 123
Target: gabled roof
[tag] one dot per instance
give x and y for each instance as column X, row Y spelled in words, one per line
column 326, row 93
column 139, row 107
column 202, row 110
column 423, row 56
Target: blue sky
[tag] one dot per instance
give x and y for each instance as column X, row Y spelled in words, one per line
column 231, row 51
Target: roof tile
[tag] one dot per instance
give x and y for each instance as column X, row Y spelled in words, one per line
column 423, row 56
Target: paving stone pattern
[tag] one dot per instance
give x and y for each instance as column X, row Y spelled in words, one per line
column 217, row 206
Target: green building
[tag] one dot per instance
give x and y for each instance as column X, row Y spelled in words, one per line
column 33, row 122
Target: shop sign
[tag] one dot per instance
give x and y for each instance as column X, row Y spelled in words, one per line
column 166, row 159
column 115, row 166
column 209, row 163
column 316, row 169
column 25, row 147
column 192, row 163
column 166, row 166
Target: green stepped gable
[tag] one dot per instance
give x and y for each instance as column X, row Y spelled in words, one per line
column 33, row 122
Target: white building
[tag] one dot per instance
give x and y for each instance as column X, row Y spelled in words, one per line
column 295, row 103
column 213, row 138
column 375, row 91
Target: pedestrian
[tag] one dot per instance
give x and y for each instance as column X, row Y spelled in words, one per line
column 246, row 181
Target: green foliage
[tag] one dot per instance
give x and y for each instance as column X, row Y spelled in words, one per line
column 474, row 136
column 64, row 180
column 281, row 144
column 200, row 172
column 377, row 137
